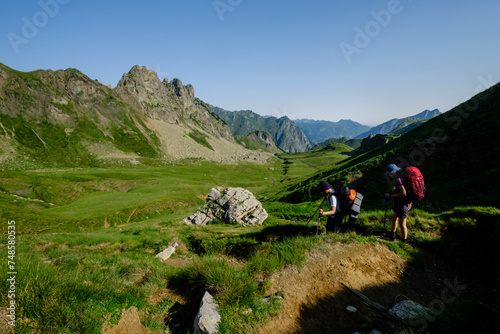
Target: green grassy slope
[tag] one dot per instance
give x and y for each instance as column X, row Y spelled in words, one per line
column 47, row 126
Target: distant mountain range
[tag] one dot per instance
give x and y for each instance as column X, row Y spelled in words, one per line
column 400, row 124
column 320, row 131
column 285, row 133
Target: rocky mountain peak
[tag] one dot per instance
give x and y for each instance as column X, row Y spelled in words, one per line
column 157, row 99
column 168, row 101
column 140, row 74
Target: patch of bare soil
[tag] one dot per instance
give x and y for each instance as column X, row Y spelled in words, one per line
column 308, row 304
column 129, row 323
column 4, row 322
column 316, row 301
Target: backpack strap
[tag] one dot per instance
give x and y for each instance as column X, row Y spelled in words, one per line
column 337, row 208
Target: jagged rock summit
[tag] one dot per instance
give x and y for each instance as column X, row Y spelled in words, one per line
column 171, row 102
column 230, row 205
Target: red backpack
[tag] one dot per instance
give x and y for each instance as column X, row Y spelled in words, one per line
column 416, row 185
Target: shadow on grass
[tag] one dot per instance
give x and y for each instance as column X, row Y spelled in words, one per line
column 280, row 232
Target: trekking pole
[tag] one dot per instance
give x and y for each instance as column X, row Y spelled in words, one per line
column 385, row 213
column 385, row 217
column 317, row 227
column 324, row 199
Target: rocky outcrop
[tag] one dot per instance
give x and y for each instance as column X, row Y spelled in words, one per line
column 230, row 205
column 208, row 318
column 265, row 138
column 259, row 140
column 373, row 141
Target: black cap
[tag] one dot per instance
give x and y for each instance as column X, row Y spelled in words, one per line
column 324, row 186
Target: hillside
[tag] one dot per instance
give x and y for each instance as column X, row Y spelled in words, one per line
column 407, row 125
column 457, row 153
column 285, row 133
column 391, row 125
column 258, row 140
column 63, row 118
column 320, row 131
column 354, row 143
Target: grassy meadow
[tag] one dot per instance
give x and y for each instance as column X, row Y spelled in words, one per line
column 86, row 241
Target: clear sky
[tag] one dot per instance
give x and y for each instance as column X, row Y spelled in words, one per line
column 368, row 61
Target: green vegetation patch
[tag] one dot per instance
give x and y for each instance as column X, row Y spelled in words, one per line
column 200, row 138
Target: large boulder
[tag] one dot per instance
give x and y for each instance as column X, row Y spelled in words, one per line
column 230, row 205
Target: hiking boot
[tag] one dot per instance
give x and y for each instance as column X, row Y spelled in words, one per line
column 391, row 236
column 405, row 241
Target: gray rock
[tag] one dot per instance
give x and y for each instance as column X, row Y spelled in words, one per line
column 351, row 309
column 229, row 205
column 408, row 309
column 208, row 317
column 165, row 255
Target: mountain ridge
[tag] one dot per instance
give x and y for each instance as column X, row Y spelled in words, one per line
column 286, row 134
column 63, row 118
column 388, row 126
column 320, row 130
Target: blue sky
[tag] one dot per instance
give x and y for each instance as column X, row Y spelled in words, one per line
column 368, row 61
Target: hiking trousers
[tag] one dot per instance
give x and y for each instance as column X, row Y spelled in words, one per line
column 334, row 223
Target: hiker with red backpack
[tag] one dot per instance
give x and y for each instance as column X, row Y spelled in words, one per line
column 409, row 186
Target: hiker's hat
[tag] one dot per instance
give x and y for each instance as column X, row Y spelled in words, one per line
column 324, row 186
column 392, row 168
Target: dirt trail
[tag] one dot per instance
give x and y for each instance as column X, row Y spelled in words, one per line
column 315, row 300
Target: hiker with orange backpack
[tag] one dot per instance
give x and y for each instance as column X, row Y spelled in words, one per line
column 402, row 203
column 334, row 222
